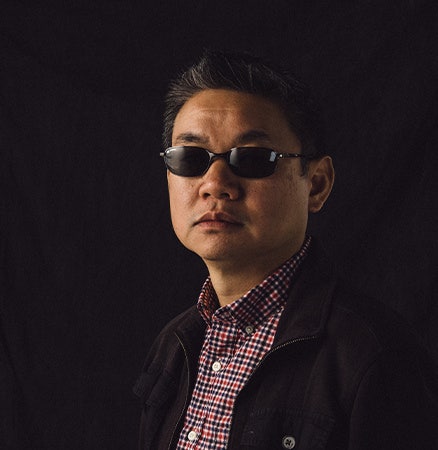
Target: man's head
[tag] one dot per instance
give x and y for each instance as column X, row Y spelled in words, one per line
column 242, row 72
column 231, row 213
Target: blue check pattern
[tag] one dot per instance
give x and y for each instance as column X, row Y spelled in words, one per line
column 237, row 337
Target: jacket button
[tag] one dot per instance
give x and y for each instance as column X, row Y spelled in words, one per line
column 288, row 442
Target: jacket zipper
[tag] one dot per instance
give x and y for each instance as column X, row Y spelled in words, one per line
column 187, row 392
column 285, row 344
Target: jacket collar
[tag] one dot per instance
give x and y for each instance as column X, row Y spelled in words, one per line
column 307, row 309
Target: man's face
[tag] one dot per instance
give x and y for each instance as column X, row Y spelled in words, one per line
column 228, row 219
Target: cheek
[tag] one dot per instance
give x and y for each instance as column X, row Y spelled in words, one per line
column 282, row 202
column 265, row 206
column 180, row 199
column 177, row 216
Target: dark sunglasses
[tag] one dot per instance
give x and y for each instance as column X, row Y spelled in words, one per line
column 247, row 162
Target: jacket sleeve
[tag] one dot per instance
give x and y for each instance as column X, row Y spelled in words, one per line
column 395, row 405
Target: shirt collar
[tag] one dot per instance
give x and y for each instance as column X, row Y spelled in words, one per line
column 259, row 303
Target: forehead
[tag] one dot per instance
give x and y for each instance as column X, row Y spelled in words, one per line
column 230, row 113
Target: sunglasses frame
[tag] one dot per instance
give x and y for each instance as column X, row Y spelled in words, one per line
column 226, row 155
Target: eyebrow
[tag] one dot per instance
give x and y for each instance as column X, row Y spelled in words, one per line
column 251, row 136
column 192, row 138
column 244, row 138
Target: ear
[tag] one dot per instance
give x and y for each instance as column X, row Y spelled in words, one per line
column 321, row 176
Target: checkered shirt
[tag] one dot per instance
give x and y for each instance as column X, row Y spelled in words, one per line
column 237, row 337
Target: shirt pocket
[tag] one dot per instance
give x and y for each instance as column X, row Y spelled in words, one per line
column 273, row 428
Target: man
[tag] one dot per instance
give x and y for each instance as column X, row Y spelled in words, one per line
column 277, row 353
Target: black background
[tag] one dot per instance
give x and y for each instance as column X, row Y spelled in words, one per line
column 90, row 268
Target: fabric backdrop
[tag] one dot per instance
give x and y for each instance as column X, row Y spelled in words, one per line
column 90, row 268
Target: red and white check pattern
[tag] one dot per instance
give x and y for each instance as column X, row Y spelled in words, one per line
column 238, row 335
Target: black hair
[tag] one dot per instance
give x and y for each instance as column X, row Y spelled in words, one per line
column 248, row 73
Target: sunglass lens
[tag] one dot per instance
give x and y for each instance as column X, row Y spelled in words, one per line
column 253, row 162
column 187, row 161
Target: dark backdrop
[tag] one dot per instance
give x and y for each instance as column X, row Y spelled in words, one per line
column 90, row 269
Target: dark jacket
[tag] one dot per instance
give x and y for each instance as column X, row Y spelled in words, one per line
column 343, row 373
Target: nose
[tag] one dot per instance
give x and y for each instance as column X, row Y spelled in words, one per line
column 220, row 182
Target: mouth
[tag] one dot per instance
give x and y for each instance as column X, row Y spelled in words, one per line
column 218, row 220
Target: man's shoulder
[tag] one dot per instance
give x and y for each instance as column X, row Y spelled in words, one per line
column 187, row 323
column 186, row 318
column 350, row 313
column 166, row 356
column 369, row 327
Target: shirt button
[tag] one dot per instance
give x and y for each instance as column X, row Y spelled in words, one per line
column 288, row 442
column 192, row 436
column 217, row 366
column 249, row 329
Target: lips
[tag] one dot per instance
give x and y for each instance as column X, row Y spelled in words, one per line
column 218, row 217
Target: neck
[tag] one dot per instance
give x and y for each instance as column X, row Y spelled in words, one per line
column 233, row 277
column 231, row 282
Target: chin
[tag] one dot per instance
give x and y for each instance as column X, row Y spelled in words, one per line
column 218, row 256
